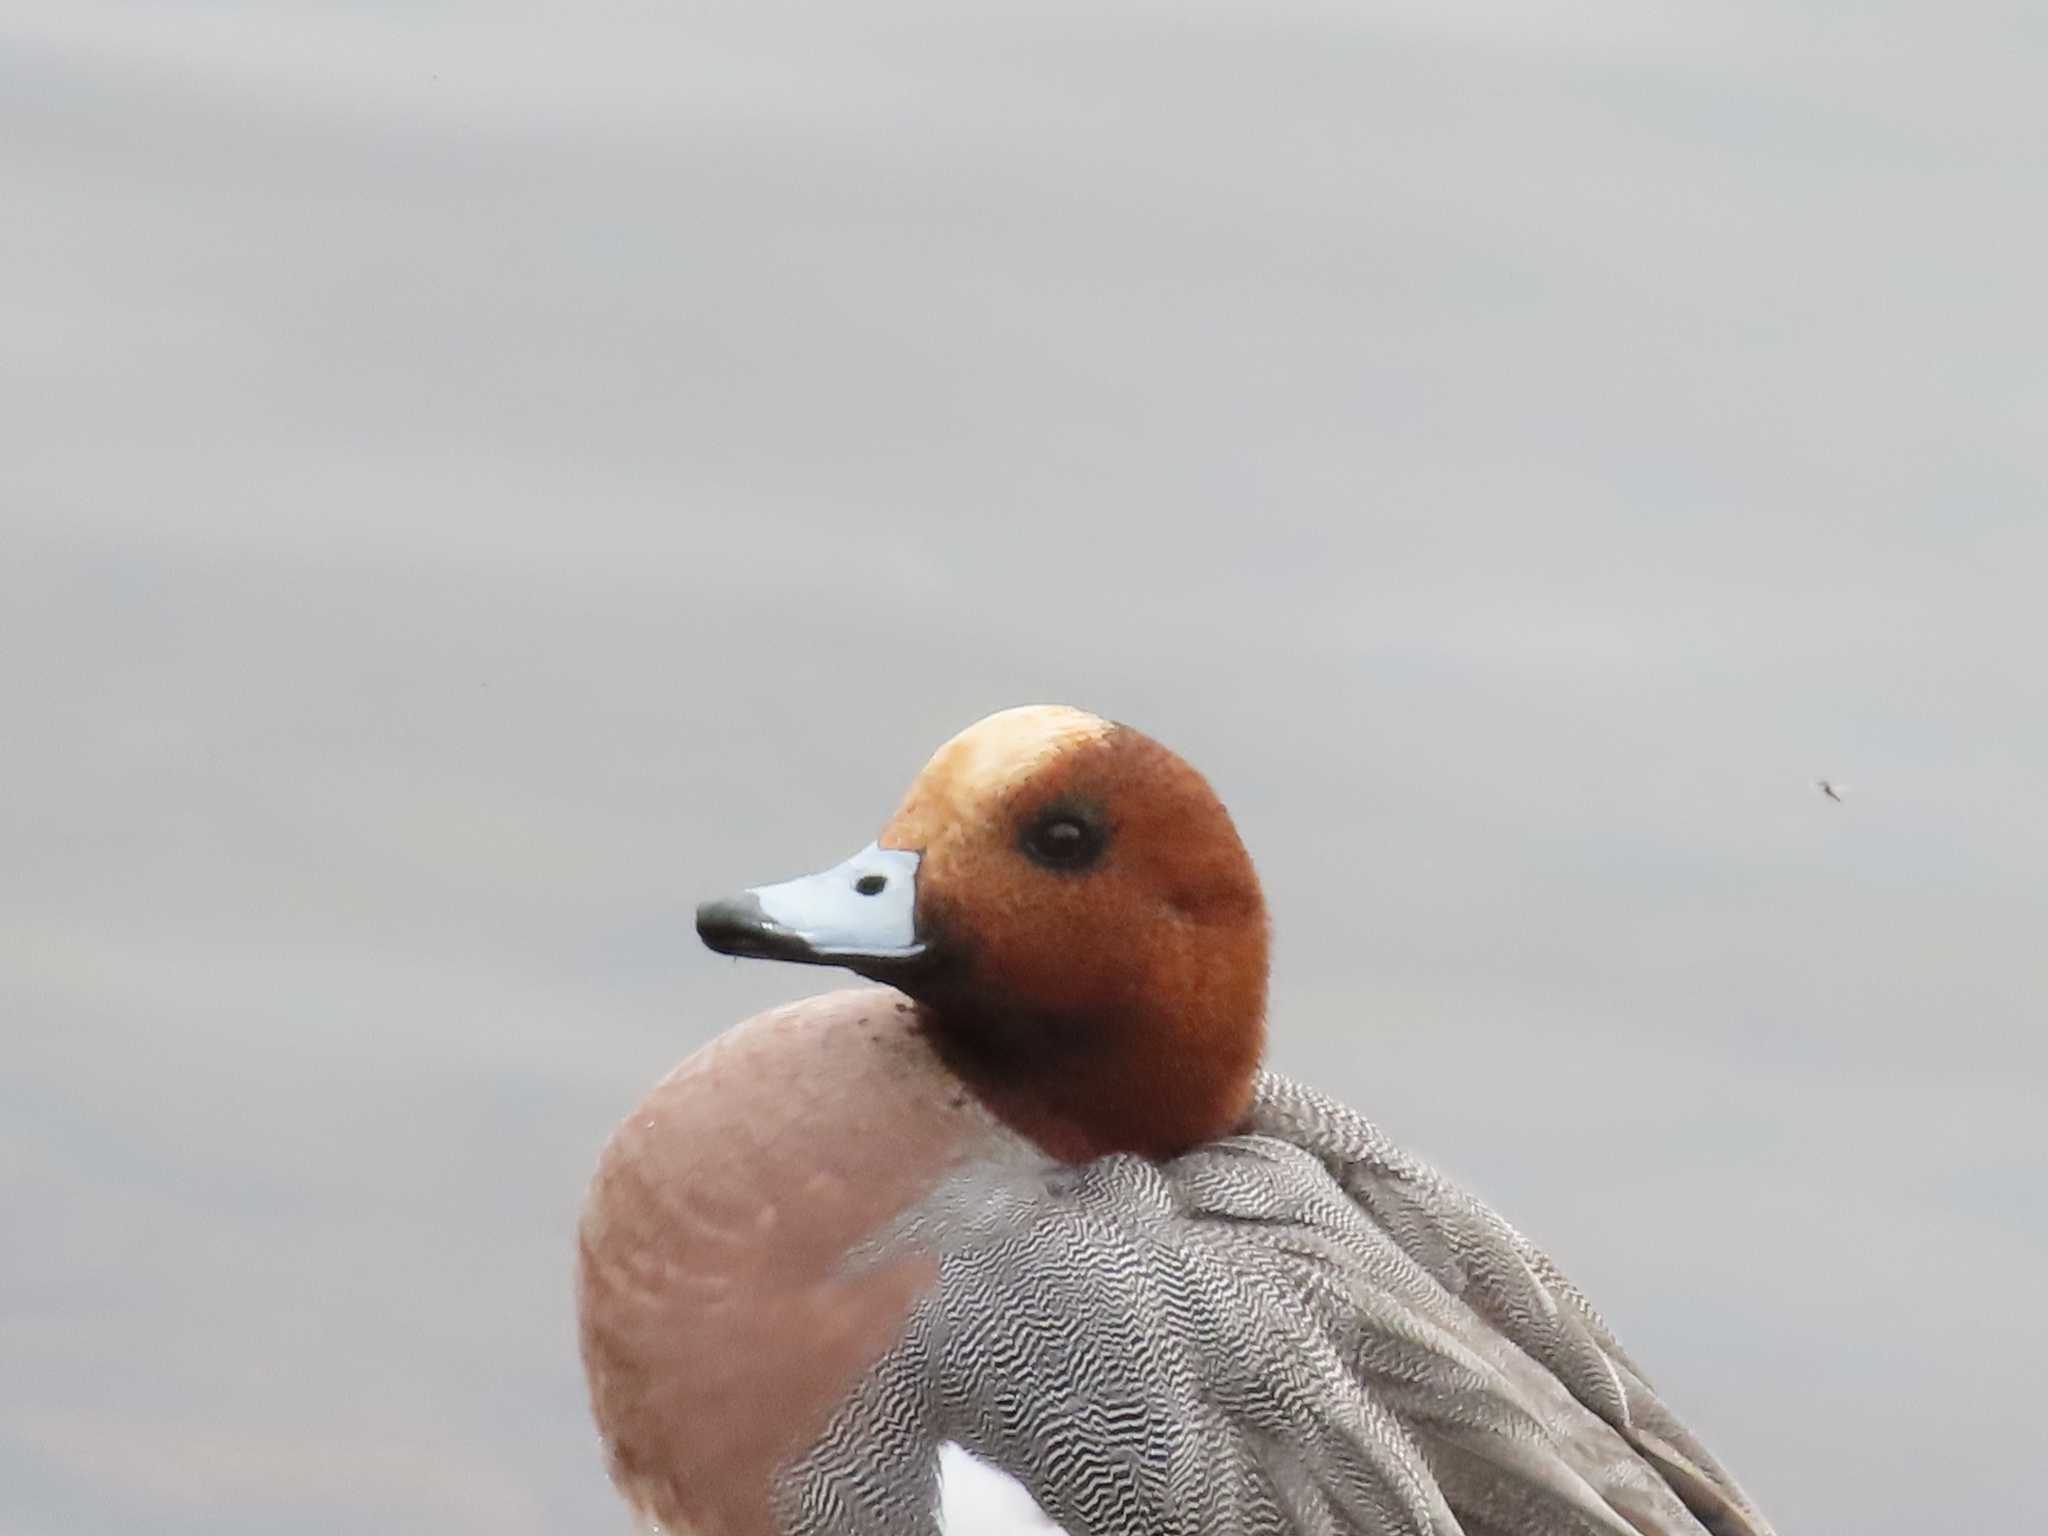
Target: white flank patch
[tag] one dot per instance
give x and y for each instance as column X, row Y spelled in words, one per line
column 976, row 1499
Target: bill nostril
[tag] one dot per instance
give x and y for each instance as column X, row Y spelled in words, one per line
column 871, row 885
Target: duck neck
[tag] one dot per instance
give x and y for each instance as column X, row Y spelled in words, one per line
column 1082, row 1087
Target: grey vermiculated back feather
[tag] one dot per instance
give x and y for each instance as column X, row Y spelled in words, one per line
column 1299, row 1331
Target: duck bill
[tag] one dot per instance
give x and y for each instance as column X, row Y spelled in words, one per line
column 861, row 914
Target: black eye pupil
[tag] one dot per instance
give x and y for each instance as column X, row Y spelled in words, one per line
column 1064, row 841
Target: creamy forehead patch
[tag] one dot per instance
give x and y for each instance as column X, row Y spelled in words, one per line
column 1010, row 746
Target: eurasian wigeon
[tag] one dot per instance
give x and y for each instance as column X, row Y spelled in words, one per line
column 1031, row 1215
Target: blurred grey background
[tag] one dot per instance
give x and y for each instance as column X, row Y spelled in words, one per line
column 477, row 479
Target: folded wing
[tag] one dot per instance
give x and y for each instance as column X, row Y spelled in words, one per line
column 1296, row 1332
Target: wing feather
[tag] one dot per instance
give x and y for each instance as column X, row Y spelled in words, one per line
column 1300, row 1331
column 1651, row 1471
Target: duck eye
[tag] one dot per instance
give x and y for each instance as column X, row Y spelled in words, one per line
column 1063, row 840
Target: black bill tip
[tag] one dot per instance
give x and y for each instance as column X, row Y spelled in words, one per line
column 736, row 925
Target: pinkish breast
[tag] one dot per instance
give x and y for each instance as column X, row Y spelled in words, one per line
column 721, row 1322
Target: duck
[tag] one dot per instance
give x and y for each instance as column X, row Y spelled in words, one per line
column 1021, row 1235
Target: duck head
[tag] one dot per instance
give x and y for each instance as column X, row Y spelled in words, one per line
column 1071, row 908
